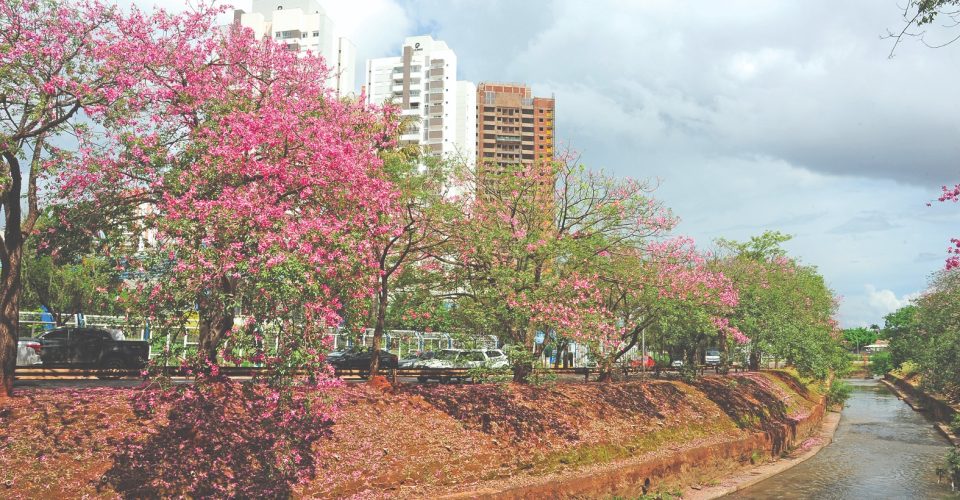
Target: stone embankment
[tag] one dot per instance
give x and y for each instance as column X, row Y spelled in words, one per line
column 935, row 406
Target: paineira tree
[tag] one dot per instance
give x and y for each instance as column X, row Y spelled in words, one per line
column 247, row 186
column 57, row 63
column 530, row 230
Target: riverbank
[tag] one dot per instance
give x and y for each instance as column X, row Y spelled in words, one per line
column 489, row 440
column 753, row 475
column 936, row 406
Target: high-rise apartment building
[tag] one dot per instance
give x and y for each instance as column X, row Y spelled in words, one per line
column 422, row 81
column 303, row 25
column 513, row 126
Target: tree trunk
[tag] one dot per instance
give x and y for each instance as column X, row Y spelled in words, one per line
column 524, row 368
column 522, row 372
column 561, row 354
column 382, row 299
column 11, row 258
column 724, row 366
column 216, row 320
column 9, row 317
column 754, row 360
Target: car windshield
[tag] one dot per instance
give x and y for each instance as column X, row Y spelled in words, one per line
column 447, row 355
column 473, row 356
column 713, row 353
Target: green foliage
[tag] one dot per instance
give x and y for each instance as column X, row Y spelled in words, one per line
column 67, row 283
column 953, row 465
column 900, row 329
column 881, row 363
column 785, row 308
column 908, row 368
column 927, row 334
column 955, row 424
column 856, row 338
column 838, row 393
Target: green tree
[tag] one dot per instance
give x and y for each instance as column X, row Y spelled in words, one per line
column 785, row 308
column 857, row 338
column 422, row 212
column 529, row 230
column 901, row 330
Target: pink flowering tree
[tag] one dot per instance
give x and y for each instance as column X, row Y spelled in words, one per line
column 249, row 194
column 423, row 210
column 57, row 67
column 785, row 308
column 668, row 290
column 953, row 251
column 530, row 232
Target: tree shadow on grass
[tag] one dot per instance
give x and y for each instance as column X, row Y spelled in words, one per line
column 751, row 406
column 526, row 411
column 221, row 439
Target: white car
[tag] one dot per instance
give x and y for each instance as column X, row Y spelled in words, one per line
column 462, row 358
column 28, row 352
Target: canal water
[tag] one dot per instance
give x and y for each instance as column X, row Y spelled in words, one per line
column 882, row 449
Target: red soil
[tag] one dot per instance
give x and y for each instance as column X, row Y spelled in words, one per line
column 420, row 440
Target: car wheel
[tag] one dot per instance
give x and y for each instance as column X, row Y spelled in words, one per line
column 422, row 379
column 112, row 369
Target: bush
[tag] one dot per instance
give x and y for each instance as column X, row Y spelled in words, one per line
column 955, row 425
column 908, row 368
column 881, row 363
column 838, row 393
column 953, row 467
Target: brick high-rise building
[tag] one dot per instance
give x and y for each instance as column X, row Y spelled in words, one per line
column 513, row 126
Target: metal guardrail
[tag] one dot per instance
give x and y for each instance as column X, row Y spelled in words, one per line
column 441, row 374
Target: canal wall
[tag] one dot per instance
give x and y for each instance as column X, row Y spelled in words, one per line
column 678, row 468
column 937, row 408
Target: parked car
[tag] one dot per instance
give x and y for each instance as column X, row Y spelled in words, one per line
column 677, row 363
column 711, row 357
column 445, row 358
column 92, row 348
column 412, row 359
column 462, row 358
column 28, row 352
column 359, row 359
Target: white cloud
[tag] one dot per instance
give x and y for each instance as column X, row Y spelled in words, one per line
column 886, row 301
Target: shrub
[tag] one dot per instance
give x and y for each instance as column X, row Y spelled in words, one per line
column 838, row 393
column 953, row 467
column 908, row 368
column 881, row 363
column 955, row 425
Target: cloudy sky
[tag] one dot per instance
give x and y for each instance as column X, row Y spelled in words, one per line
column 751, row 114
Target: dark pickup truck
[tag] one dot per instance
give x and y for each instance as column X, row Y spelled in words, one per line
column 91, row 348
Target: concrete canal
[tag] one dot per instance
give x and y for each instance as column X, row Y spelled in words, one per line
column 882, row 449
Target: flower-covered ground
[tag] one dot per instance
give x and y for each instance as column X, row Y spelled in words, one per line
column 406, row 440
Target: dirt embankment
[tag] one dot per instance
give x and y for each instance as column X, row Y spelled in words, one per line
column 476, row 440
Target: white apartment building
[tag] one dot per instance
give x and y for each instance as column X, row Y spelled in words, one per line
column 422, row 81
column 303, row 25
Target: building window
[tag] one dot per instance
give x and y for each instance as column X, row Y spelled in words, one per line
column 316, row 33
